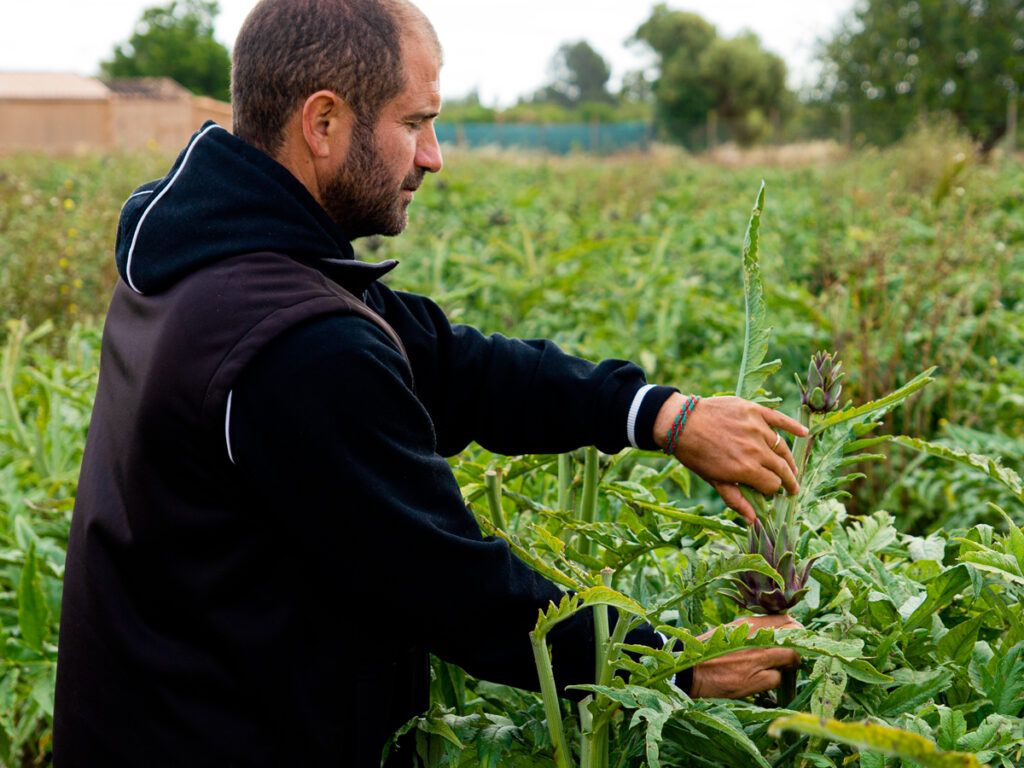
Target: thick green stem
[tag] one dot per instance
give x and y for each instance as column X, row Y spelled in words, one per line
column 550, row 695
column 586, row 733
column 601, row 628
column 618, row 636
column 492, row 481
column 588, row 505
column 564, row 481
column 801, row 452
column 598, row 747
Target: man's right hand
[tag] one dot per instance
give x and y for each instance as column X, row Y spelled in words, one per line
column 744, row 673
column 728, row 440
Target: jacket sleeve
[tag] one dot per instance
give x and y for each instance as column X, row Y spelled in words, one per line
column 516, row 396
column 325, row 427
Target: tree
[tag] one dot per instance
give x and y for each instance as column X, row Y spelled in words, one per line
column 176, row 41
column 579, row 74
column 893, row 62
column 747, row 84
column 699, row 72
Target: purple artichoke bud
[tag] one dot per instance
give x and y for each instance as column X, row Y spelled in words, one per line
column 757, row 592
column 820, row 392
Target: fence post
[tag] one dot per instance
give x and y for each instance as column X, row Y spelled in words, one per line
column 595, row 143
column 712, row 130
column 844, row 125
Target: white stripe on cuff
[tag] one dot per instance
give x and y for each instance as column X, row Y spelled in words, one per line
column 227, row 427
column 634, row 411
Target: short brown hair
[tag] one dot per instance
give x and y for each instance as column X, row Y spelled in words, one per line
column 290, row 49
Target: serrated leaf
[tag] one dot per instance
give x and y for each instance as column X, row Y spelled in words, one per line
column 994, row 562
column 828, row 694
column 941, row 592
column 989, row 465
column 736, row 736
column 952, row 728
column 874, row 737
column 913, row 695
column 1007, row 693
column 882, row 404
column 32, row 610
column 494, row 740
column 42, row 689
column 570, row 605
column 756, row 333
column 958, row 643
column 526, row 556
column 681, row 515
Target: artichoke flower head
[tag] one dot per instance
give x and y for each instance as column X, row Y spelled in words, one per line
column 759, row 593
column 820, row 392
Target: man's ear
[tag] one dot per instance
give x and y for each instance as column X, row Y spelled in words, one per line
column 327, row 123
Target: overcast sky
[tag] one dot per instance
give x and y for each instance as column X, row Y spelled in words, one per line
column 501, row 47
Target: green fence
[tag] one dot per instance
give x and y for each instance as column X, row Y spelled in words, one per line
column 553, row 138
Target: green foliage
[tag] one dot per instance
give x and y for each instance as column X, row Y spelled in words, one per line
column 579, row 74
column 176, row 40
column 895, row 62
column 637, row 259
column 756, row 332
column 876, row 738
column 44, row 411
column 902, row 635
column 701, row 72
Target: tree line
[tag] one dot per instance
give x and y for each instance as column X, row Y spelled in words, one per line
column 889, row 64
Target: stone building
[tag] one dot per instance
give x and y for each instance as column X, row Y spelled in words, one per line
column 61, row 112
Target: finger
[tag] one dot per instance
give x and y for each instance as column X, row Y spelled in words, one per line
column 781, row 469
column 780, row 420
column 764, row 480
column 782, row 449
column 732, row 497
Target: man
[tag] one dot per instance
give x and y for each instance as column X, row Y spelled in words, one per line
column 267, row 540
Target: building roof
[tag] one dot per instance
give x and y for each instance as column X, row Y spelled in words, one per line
column 148, row 88
column 50, row 85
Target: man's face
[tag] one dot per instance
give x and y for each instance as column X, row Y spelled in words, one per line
column 369, row 193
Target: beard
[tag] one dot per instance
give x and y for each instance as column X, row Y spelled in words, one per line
column 363, row 198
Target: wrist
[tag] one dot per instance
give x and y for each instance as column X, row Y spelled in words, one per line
column 671, row 421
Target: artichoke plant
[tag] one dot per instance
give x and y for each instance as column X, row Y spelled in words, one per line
column 775, row 540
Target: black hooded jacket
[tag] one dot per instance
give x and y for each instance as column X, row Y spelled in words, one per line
column 267, row 539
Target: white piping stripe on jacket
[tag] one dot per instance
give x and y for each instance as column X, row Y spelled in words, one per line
column 154, row 201
column 634, row 411
column 227, row 427
column 137, row 194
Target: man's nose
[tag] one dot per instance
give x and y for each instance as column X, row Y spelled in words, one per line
column 428, row 151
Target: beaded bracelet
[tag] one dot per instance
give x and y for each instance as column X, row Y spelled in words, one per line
column 677, row 426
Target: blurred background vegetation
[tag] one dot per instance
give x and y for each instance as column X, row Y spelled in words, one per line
column 890, row 65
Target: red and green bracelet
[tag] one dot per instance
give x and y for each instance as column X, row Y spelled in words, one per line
column 677, row 426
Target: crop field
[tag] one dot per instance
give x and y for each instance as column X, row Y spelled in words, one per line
column 907, row 264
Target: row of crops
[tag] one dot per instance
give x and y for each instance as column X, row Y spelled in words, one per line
column 907, row 264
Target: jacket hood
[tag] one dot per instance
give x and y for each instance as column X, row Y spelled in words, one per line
column 223, row 198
